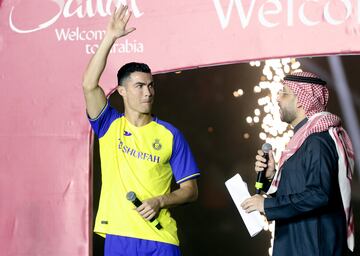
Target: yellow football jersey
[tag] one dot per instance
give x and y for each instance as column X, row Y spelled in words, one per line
column 143, row 160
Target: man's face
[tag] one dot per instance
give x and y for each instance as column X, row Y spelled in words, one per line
column 287, row 102
column 138, row 92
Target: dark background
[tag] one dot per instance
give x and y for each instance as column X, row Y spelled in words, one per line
column 201, row 104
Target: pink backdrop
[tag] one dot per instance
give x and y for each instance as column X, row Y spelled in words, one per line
column 44, row 48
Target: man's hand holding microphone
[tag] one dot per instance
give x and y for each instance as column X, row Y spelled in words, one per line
column 265, row 168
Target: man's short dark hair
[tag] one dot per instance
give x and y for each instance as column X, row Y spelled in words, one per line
column 126, row 70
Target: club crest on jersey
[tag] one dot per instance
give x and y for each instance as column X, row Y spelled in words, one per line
column 156, row 145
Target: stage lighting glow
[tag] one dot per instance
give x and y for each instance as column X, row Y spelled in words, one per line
column 262, row 135
column 257, row 89
column 255, row 63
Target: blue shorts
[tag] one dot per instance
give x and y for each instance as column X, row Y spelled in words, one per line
column 127, row 246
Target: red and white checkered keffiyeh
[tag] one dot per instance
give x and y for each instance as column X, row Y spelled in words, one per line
column 313, row 98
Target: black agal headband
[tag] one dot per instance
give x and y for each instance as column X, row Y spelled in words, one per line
column 304, row 79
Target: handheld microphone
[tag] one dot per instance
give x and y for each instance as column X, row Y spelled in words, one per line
column 131, row 196
column 266, row 147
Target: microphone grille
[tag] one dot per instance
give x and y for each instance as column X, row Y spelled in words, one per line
column 266, row 147
column 131, row 196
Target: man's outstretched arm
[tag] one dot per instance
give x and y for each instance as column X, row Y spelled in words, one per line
column 94, row 95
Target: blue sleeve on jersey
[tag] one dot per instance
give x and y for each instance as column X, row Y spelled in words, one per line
column 102, row 123
column 182, row 160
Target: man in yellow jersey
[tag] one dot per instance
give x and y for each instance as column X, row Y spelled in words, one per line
column 140, row 154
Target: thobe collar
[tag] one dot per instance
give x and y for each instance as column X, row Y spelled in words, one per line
column 299, row 125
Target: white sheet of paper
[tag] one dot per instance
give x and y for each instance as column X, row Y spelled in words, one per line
column 239, row 192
